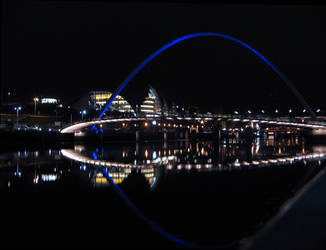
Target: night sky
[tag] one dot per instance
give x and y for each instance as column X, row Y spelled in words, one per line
column 67, row 49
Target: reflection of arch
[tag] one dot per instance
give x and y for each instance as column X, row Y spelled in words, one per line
column 206, row 34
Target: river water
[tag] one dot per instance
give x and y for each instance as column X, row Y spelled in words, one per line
column 203, row 192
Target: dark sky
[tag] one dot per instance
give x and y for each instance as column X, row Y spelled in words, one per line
column 66, row 49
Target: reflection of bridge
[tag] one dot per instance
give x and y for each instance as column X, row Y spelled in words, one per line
column 75, row 128
column 170, row 161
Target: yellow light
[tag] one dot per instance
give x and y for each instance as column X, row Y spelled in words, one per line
column 102, row 96
column 146, row 124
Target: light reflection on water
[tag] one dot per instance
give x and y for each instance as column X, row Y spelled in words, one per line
column 151, row 159
column 169, row 182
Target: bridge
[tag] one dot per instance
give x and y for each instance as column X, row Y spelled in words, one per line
column 318, row 126
column 315, row 125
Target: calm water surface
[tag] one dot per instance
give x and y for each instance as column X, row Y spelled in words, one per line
column 204, row 192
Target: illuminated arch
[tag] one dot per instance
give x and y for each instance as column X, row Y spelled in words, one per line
column 207, row 34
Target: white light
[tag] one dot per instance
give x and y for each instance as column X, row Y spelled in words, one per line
column 263, row 111
column 249, row 112
column 290, row 110
column 48, row 177
column 276, row 111
column 236, row 112
column 154, row 123
column 304, row 111
column 49, row 100
column 318, row 110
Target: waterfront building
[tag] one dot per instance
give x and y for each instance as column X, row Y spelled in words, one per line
column 98, row 99
column 151, row 106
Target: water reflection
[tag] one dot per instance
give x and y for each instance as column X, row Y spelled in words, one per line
column 151, row 160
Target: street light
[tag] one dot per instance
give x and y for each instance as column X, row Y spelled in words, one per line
column 276, row 111
column 17, row 112
column 83, row 112
column 36, row 100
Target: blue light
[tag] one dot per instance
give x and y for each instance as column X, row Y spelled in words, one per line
column 94, row 155
column 154, row 122
column 207, row 34
column 98, row 130
column 153, row 94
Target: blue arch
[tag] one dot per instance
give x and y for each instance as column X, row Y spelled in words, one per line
column 206, row 34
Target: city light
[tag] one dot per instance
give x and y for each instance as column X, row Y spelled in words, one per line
column 276, row 111
column 36, row 100
column 82, row 112
column 290, row 110
column 17, row 108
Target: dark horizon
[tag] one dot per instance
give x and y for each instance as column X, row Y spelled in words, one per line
column 67, row 49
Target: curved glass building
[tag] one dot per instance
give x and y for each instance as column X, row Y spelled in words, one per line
column 99, row 98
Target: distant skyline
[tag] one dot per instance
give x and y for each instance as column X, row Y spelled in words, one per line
column 67, row 49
